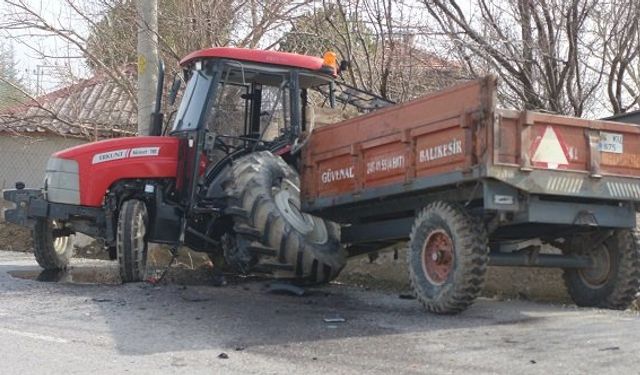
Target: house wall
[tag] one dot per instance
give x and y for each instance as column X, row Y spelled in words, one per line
column 24, row 158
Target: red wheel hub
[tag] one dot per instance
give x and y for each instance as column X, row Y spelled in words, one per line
column 437, row 257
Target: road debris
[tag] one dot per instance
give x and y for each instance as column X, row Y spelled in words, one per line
column 286, row 288
column 334, row 319
column 609, row 348
column 223, row 355
column 218, row 279
column 97, row 299
column 192, row 295
column 407, row 295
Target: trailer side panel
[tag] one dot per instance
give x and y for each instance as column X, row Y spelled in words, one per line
column 457, row 135
column 433, row 135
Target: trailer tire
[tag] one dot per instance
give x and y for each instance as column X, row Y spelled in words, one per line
column 131, row 240
column 615, row 278
column 271, row 234
column 447, row 258
column 52, row 253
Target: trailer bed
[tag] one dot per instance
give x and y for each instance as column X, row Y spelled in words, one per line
column 455, row 137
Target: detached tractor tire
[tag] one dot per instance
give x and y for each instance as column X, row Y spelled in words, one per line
column 52, row 251
column 271, row 234
column 131, row 241
column 614, row 279
column 447, row 258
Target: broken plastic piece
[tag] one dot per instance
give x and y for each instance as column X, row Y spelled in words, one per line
column 335, row 319
column 286, row 288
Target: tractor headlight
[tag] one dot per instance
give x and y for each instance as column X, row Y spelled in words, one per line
column 62, row 183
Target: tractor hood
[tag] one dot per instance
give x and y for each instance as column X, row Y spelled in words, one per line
column 82, row 174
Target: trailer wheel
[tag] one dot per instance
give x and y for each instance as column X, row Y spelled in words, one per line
column 614, row 279
column 51, row 249
column 447, row 258
column 271, row 234
column 131, row 245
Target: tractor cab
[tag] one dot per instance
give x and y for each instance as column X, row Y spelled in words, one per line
column 237, row 101
column 252, row 91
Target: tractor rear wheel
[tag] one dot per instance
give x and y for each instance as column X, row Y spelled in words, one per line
column 271, row 234
column 447, row 258
column 131, row 244
column 614, row 279
column 51, row 247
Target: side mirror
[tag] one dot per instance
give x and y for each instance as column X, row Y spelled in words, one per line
column 344, row 65
column 175, row 86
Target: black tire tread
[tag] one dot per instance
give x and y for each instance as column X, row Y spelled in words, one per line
column 471, row 256
column 131, row 260
column 624, row 286
column 280, row 249
column 44, row 250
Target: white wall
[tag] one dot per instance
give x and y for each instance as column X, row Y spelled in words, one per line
column 24, row 158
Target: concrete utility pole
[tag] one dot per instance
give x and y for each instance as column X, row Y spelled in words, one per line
column 147, row 18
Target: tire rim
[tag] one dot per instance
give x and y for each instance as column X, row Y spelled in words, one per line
column 140, row 230
column 287, row 200
column 138, row 241
column 598, row 275
column 319, row 234
column 437, row 257
column 61, row 244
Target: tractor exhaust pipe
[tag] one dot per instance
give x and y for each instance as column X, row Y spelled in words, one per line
column 157, row 116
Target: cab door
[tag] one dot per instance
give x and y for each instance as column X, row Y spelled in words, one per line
column 190, row 127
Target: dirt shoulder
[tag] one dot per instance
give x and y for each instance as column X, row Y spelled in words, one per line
column 15, row 238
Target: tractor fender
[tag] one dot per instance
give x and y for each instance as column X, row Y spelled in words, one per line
column 215, row 188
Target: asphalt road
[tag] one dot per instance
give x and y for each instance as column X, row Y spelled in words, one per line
column 76, row 328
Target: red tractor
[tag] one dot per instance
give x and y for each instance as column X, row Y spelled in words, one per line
column 222, row 180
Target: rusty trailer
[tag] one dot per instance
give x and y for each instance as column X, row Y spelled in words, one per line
column 452, row 169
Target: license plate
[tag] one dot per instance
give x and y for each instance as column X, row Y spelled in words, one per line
column 611, row 142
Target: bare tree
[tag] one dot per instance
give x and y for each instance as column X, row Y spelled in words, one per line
column 11, row 87
column 542, row 49
column 617, row 26
column 389, row 52
column 573, row 57
column 28, row 23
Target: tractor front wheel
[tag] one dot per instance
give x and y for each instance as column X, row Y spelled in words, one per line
column 131, row 245
column 52, row 245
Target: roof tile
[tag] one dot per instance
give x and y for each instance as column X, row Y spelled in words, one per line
column 97, row 106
